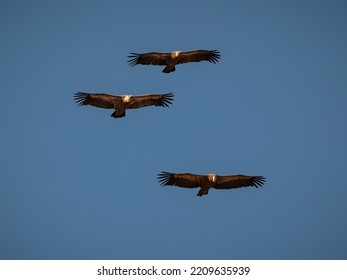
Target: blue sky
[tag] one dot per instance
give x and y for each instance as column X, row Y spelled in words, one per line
column 78, row 184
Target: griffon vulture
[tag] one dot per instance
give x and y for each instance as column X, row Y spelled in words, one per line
column 206, row 182
column 122, row 102
column 173, row 58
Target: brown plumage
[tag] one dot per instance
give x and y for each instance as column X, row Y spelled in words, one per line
column 206, row 182
column 120, row 103
column 173, row 58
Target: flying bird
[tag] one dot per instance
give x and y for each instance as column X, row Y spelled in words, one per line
column 209, row 181
column 173, row 58
column 120, row 103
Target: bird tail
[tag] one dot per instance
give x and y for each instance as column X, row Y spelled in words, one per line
column 202, row 192
column 115, row 115
column 169, row 69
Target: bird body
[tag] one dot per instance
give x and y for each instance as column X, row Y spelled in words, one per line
column 120, row 103
column 173, row 58
column 206, row 182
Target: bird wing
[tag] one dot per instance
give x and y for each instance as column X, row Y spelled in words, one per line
column 152, row 58
column 238, row 181
column 101, row 100
column 184, row 180
column 163, row 100
column 198, row 55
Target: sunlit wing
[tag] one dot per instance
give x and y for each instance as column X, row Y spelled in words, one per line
column 199, row 55
column 163, row 100
column 184, row 180
column 100, row 100
column 152, row 58
column 239, row 181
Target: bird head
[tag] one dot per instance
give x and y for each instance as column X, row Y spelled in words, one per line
column 175, row 54
column 212, row 178
column 126, row 98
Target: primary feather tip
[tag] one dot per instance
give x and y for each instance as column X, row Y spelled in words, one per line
column 167, row 99
column 80, row 98
column 258, row 181
column 133, row 59
column 164, row 178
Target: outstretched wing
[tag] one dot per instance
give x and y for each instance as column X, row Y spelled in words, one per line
column 239, row 181
column 184, row 180
column 199, row 55
column 163, row 100
column 152, row 58
column 100, row 100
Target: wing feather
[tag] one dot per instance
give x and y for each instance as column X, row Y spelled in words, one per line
column 239, row 181
column 152, row 58
column 100, row 100
column 163, row 100
column 184, row 180
column 199, row 55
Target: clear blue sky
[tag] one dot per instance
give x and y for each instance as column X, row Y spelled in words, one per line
column 78, row 184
